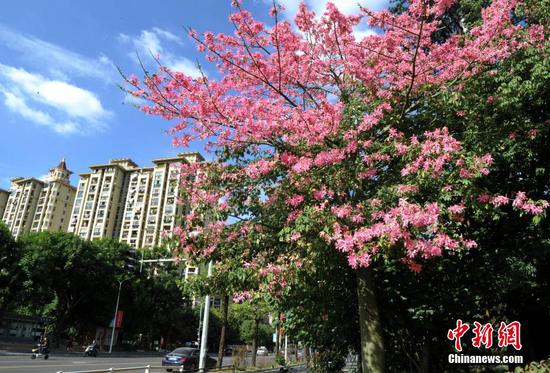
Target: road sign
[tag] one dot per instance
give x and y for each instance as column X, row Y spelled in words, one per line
column 118, row 323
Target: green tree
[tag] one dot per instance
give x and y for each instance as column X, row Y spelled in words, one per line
column 320, row 307
column 254, row 328
column 10, row 275
column 361, row 143
column 66, row 280
column 154, row 304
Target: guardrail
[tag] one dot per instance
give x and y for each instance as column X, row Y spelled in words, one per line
column 148, row 368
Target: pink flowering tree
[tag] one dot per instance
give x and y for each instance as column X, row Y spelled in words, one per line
column 322, row 136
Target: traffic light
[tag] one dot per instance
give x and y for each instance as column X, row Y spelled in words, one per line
column 130, row 259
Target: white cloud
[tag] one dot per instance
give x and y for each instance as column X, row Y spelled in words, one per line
column 151, row 44
column 167, row 35
column 291, row 7
column 185, row 66
column 57, row 60
column 149, row 41
column 17, row 104
column 360, row 34
column 348, row 7
column 63, row 107
column 133, row 100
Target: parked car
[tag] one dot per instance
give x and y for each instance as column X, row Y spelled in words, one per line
column 262, row 351
column 228, row 351
column 185, row 359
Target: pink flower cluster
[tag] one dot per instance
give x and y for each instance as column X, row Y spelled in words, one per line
column 306, row 95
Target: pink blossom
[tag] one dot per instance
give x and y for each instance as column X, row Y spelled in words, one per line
column 404, row 189
column 534, row 208
column 519, row 200
column 282, row 113
column 295, row 236
column 375, row 202
column 345, row 245
column 532, row 133
column 303, row 165
column 370, row 173
column 329, row 157
column 500, row 200
column 242, row 296
column 295, row 200
column 456, row 209
column 319, row 194
column 483, row 198
column 259, row 168
column 342, row 211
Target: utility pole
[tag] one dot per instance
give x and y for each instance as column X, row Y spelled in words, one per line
column 286, row 348
column 200, row 326
column 204, row 337
column 116, row 312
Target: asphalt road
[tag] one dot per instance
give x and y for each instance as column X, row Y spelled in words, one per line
column 24, row 364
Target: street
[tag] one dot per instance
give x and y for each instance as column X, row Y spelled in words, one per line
column 24, row 364
column 65, row 363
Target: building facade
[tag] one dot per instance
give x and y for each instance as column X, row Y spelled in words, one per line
column 132, row 204
column 21, row 205
column 163, row 208
column 55, row 201
column 99, row 201
column 37, row 205
column 4, row 195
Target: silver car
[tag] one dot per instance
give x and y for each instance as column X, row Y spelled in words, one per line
column 262, row 351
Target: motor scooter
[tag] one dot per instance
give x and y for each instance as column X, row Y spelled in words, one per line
column 40, row 351
column 91, row 350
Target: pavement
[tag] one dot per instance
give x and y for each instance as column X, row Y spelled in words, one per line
column 22, row 363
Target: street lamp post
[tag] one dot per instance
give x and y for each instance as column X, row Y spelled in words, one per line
column 200, row 326
column 204, row 337
column 114, row 318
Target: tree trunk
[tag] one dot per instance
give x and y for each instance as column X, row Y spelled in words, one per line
column 372, row 343
column 225, row 309
column 255, row 341
column 278, row 336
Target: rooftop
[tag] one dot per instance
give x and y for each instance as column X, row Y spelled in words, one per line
column 61, row 166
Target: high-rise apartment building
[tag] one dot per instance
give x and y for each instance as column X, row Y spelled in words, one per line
column 21, row 204
column 133, row 204
column 4, row 195
column 36, row 205
column 163, row 207
column 100, row 198
column 55, row 201
column 135, row 208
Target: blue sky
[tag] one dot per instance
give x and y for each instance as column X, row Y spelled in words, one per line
column 58, row 78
